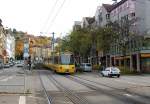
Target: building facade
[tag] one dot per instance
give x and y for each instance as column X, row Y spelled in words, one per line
column 135, row 12
column 77, row 25
column 2, row 43
column 10, row 45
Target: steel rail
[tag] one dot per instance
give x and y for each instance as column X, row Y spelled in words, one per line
column 75, row 99
column 114, row 88
column 110, row 93
column 49, row 100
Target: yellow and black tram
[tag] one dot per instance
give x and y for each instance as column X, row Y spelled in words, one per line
column 61, row 63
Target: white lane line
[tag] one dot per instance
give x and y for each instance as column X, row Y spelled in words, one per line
column 128, row 95
column 22, row 100
column 133, row 83
column 6, row 79
column 2, row 77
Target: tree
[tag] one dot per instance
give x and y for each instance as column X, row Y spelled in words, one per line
column 1, row 22
column 79, row 42
column 105, row 37
column 19, row 48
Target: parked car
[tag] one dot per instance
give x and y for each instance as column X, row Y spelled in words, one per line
column 111, row 71
column 17, row 62
column 1, row 65
column 86, row 67
column 6, row 65
column 11, row 63
column 20, row 63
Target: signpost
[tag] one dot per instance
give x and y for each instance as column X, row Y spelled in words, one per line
column 26, row 49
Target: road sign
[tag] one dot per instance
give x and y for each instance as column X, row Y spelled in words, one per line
column 26, row 50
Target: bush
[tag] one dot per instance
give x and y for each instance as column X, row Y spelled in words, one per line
column 96, row 67
column 126, row 70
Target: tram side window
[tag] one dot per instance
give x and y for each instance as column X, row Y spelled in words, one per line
column 71, row 59
column 56, row 59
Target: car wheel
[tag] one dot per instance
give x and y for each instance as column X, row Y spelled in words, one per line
column 109, row 75
column 118, row 76
column 102, row 75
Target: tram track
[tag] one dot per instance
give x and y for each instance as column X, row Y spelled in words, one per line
column 71, row 95
column 49, row 100
column 116, row 93
column 114, row 88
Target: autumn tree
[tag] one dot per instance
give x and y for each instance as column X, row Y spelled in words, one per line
column 19, row 49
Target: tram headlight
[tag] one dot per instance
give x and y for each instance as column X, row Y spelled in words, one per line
column 60, row 67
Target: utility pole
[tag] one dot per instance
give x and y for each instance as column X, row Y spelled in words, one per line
column 53, row 46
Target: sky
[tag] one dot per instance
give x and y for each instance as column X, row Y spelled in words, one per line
column 42, row 17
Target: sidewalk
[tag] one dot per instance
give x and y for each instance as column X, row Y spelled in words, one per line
column 33, row 88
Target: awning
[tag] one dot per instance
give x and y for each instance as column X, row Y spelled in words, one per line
column 145, row 55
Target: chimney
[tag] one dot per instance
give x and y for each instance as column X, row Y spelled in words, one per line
column 115, row 2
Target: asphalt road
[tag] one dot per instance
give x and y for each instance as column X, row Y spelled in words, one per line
column 18, row 86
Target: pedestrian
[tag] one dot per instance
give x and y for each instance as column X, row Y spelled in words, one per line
column 29, row 62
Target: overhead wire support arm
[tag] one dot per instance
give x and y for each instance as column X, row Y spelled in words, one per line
column 54, row 18
column 49, row 15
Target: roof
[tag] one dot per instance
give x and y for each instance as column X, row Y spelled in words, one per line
column 118, row 4
column 110, row 7
column 90, row 20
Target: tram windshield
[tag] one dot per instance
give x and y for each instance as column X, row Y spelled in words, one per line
column 67, row 59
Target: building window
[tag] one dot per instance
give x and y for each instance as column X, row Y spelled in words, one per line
column 126, row 17
column 132, row 14
column 107, row 16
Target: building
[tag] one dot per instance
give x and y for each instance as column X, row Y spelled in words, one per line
column 135, row 12
column 98, row 16
column 2, row 43
column 88, row 22
column 77, row 25
column 10, row 44
column 40, row 47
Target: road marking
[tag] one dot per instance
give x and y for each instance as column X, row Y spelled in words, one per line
column 6, row 79
column 1, row 72
column 128, row 95
column 22, row 100
column 125, row 81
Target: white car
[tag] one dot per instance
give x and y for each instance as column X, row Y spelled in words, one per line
column 111, row 71
column 6, row 65
column 20, row 63
column 86, row 67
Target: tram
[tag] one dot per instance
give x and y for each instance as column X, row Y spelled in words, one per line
column 61, row 63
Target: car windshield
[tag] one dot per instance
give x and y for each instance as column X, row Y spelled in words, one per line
column 107, row 69
column 114, row 69
column 88, row 64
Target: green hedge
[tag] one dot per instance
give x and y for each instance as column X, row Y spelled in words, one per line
column 126, row 70
column 96, row 67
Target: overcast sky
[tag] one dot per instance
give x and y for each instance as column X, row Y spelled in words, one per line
column 35, row 16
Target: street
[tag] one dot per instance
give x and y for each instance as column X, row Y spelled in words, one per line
column 18, row 86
